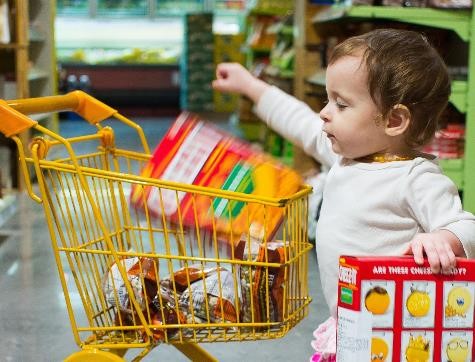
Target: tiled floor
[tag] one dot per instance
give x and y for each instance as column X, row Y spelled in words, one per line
column 34, row 325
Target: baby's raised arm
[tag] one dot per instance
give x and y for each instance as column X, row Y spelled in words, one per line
column 234, row 78
column 286, row 115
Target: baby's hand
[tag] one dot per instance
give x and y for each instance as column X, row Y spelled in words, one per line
column 441, row 247
column 234, row 78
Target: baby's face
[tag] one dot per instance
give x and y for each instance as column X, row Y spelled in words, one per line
column 352, row 120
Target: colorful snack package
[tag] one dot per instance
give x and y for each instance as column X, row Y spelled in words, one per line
column 165, row 312
column 157, row 302
column 207, row 294
column 156, row 317
column 262, row 286
column 195, row 152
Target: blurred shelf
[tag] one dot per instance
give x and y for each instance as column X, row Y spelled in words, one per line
column 36, row 36
column 251, row 49
column 316, row 79
column 457, row 20
column 36, row 74
column 454, row 169
column 275, row 72
column 458, row 95
column 10, row 46
column 270, row 11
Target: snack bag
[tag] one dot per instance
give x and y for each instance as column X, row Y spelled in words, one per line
column 156, row 300
column 158, row 316
column 195, row 152
column 142, row 276
column 164, row 311
column 260, row 284
column 203, row 290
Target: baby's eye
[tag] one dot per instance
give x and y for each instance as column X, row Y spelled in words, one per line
column 340, row 106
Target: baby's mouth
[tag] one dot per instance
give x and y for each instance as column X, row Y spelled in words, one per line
column 330, row 136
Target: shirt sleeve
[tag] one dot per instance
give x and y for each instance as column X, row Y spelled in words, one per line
column 297, row 122
column 435, row 202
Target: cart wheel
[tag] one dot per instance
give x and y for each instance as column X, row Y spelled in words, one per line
column 93, row 355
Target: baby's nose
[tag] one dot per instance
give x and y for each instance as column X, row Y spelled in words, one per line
column 324, row 115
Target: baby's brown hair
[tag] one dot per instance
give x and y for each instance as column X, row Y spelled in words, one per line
column 403, row 68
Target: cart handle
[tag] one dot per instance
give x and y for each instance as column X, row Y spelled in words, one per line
column 88, row 107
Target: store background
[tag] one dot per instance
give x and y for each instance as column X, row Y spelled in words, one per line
column 144, row 58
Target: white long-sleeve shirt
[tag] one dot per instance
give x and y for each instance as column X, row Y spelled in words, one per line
column 368, row 208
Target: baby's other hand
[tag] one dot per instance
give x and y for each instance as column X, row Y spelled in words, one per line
column 441, row 248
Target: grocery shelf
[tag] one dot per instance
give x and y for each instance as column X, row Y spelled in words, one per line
column 317, row 79
column 10, row 46
column 458, row 95
column 451, row 19
column 453, row 168
column 277, row 11
column 36, row 73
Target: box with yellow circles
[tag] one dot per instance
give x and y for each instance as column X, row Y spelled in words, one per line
column 391, row 309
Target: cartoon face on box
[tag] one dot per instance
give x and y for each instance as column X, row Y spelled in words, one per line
column 381, row 346
column 456, row 346
column 378, row 299
column 418, row 304
column 417, row 346
column 458, row 304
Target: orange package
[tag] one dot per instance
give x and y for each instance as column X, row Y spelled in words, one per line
column 195, row 152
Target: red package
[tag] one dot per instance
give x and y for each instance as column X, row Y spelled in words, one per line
column 195, row 152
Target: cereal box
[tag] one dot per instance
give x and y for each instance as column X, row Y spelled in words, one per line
column 391, row 309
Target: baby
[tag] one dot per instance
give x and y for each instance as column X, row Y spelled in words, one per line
column 386, row 90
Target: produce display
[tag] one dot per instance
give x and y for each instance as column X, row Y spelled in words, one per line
column 119, row 56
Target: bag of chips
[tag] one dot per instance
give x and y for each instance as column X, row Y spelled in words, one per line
column 262, row 286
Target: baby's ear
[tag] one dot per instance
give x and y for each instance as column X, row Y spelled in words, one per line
column 398, row 120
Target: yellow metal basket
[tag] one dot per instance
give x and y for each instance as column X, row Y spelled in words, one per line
column 144, row 279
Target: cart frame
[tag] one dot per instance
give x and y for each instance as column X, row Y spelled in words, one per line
column 77, row 177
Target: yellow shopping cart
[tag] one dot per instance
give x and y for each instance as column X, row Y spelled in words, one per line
column 143, row 279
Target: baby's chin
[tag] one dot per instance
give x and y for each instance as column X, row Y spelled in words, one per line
column 341, row 153
column 344, row 153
